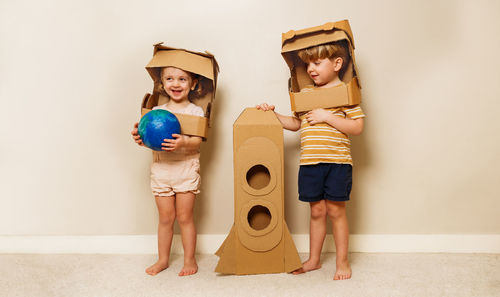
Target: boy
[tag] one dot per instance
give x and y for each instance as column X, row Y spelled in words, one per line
column 325, row 174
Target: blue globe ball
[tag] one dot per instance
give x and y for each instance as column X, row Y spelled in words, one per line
column 157, row 125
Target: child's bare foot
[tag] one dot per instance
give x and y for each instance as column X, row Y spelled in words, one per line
column 190, row 267
column 343, row 271
column 158, row 267
column 307, row 266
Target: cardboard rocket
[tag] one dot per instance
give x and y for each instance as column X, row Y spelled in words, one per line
column 347, row 93
column 259, row 240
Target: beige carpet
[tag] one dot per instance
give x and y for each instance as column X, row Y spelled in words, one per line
column 373, row 275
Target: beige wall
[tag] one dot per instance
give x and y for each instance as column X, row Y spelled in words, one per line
column 72, row 76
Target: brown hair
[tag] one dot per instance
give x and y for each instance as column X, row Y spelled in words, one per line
column 337, row 49
column 203, row 86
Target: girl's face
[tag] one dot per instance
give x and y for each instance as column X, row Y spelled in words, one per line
column 324, row 72
column 177, row 83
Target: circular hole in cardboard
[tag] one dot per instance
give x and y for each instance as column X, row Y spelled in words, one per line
column 258, row 177
column 259, row 217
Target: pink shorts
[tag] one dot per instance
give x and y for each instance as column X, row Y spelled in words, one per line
column 170, row 177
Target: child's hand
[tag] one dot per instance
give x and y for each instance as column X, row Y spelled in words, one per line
column 317, row 116
column 265, row 107
column 171, row 145
column 135, row 135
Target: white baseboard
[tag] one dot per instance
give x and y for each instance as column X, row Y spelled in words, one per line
column 209, row 243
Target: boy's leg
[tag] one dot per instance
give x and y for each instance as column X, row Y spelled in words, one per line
column 340, row 228
column 184, row 209
column 166, row 211
column 317, row 233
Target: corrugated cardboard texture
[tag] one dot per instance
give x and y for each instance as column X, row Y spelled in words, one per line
column 259, row 241
column 347, row 93
column 203, row 64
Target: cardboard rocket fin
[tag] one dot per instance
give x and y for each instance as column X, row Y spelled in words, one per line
column 227, row 254
column 228, row 238
column 292, row 259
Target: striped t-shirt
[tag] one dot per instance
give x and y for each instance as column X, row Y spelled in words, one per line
column 322, row 143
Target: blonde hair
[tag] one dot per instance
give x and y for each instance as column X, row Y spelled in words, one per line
column 337, row 49
column 203, row 86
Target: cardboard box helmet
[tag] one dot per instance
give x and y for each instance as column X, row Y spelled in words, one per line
column 347, row 93
column 203, row 66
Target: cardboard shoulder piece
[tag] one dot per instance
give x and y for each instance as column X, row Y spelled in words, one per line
column 202, row 64
column 259, row 240
column 347, row 93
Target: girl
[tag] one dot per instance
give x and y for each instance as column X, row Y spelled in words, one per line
column 175, row 178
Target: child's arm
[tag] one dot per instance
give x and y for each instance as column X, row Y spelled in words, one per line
column 189, row 143
column 346, row 126
column 135, row 135
column 288, row 122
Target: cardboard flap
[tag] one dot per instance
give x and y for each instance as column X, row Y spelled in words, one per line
column 190, row 124
column 311, row 40
column 288, row 35
column 159, row 46
column 184, row 60
column 330, row 26
column 341, row 95
column 207, row 66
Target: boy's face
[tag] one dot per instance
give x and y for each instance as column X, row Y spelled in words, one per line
column 177, row 83
column 324, row 72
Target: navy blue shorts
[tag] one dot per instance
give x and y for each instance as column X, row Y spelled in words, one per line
column 325, row 181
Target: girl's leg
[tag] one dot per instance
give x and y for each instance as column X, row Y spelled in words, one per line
column 166, row 211
column 317, row 233
column 184, row 209
column 340, row 227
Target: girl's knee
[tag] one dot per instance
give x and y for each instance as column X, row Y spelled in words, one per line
column 184, row 218
column 167, row 219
